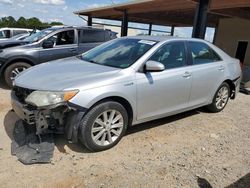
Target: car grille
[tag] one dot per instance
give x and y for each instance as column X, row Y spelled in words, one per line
column 22, row 93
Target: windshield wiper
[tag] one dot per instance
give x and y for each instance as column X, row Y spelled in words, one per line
column 92, row 61
column 88, row 60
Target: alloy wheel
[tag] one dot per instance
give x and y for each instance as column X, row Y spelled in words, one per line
column 222, row 97
column 107, row 127
column 15, row 72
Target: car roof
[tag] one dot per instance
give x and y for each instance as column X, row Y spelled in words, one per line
column 162, row 38
column 58, row 28
column 16, row 29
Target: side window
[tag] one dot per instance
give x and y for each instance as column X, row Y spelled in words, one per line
column 64, row 38
column 202, row 53
column 18, row 32
column 2, row 35
column 171, row 55
column 92, row 36
column 6, row 33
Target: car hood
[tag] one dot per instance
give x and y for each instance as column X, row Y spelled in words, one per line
column 11, row 43
column 64, row 74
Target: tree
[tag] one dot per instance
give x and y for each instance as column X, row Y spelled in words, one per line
column 22, row 22
column 11, row 21
column 34, row 23
column 31, row 23
column 56, row 23
column 7, row 22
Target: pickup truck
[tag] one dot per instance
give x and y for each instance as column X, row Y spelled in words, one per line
column 47, row 45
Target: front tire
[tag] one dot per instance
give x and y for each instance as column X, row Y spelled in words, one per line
column 103, row 126
column 13, row 70
column 220, row 99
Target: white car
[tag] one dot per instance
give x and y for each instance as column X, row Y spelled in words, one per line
column 10, row 32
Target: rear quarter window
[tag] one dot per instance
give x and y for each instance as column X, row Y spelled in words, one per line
column 91, row 36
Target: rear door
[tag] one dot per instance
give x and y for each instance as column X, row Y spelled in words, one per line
column 207, row 72
column 65, row 45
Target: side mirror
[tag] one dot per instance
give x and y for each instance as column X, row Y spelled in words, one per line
column 154, row 66
column 48, row 44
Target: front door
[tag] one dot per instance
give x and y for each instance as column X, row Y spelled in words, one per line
column 65, row 45
column 166, row 92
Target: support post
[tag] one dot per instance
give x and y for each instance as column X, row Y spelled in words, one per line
column 150, row 29
column 124, row 28
column 215, row 33
column 200, row 20
column 172, row 31
column 89, row 20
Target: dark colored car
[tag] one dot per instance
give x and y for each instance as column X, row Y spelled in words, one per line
column 11, row 43
column 47, row 45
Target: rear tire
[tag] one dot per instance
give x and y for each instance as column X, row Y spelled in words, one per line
column 220, row 99
column 13, row 70
column 103, row 126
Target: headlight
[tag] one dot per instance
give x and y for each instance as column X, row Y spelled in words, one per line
column 46, row 98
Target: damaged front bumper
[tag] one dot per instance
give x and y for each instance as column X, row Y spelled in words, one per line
column 60, row 119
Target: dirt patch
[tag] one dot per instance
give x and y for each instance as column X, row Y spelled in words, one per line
column 192, row 149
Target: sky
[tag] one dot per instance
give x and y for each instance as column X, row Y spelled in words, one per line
column 62, row 11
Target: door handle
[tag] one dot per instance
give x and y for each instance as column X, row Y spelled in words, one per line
column 187, row 75
column 72, row 50
column 221, row 68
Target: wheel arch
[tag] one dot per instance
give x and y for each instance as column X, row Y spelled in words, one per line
column 231, row 85
column 232, row 88
column 124, row 102
column 12, row 61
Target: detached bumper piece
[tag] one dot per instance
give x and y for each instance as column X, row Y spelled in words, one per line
column 30, row 148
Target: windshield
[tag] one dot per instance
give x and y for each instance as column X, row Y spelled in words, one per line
column 119, row 53
column 38, row 36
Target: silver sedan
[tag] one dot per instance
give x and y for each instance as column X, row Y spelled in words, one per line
column 96, row 96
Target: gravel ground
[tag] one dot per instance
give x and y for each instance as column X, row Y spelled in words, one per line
column 193, row 149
